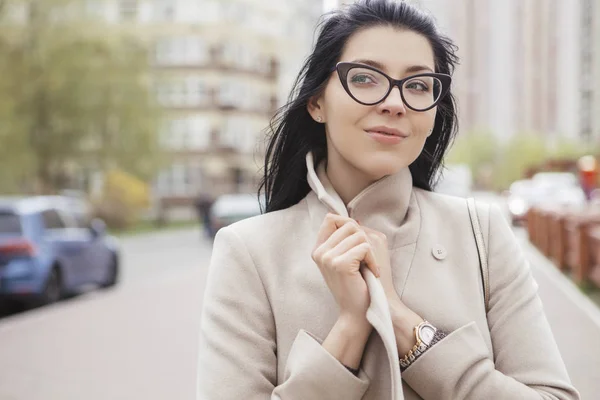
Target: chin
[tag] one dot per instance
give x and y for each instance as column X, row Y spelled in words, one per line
column 381, row 168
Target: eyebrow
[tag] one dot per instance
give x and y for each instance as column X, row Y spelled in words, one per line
column 378, row 65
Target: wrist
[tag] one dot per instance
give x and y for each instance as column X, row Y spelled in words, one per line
column 346, row 341
column 354, row 327
column 404, row 322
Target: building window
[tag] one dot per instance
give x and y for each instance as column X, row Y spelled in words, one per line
column 164, row 10
column 183, row 50
column 94, row 8
column 128, row 10
column 179, row 176
column 231, row 94
column 199, row 133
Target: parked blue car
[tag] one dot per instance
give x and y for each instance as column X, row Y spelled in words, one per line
column 50, row 248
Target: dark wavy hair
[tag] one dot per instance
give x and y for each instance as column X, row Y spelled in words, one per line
column 293, row 132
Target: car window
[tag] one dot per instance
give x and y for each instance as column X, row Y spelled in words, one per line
column 52, row 220
column 10, row 223
column 82, row 220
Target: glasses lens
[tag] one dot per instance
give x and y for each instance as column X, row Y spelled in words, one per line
column 366, row 85
column 422, row 92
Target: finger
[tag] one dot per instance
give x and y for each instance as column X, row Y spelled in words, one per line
column 331, row 223
column 347, row 243
column 371, row 262
column 375, row 237
column 370, row 231
column 363, row 252
column 327, row 228
column 367, row 229
column 347, row 230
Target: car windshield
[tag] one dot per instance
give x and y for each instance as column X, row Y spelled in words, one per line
column 10, row 223
column 555, row 178
column 236, row 205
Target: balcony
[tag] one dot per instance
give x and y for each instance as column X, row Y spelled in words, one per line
column 216, row 61
column 212, row 102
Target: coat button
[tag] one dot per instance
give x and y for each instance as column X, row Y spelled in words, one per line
column 439, row 252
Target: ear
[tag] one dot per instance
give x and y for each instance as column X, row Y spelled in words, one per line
column 315, row 108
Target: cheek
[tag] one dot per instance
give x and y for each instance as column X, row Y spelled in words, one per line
column 342, row 112
column 340, row 106
column 423, row 122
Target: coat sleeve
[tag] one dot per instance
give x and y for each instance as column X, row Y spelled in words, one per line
column 238, row 347
column 527, row 362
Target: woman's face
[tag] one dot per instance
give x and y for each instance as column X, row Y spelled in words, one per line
column 351, row 126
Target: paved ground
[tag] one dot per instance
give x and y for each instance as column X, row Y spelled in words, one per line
column 575, row 321
column 140, row 341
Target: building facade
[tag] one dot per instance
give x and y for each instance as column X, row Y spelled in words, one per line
column 589, row 81
column 221, row 69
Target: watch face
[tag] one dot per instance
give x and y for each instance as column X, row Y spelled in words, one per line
column 426, row 333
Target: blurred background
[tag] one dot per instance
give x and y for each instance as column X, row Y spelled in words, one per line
column 132, row 130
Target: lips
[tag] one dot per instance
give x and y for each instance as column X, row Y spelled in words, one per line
column 384, row 130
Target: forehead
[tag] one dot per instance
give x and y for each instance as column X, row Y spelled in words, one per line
column 396, row 49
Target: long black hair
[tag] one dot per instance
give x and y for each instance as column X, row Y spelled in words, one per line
column 294, row 133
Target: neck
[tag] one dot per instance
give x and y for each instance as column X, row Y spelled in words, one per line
column 346, row 179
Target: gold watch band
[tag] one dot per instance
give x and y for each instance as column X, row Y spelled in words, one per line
column 417, row 349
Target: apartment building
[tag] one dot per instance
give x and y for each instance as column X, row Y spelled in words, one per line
column 589, row 79
column 221, row 69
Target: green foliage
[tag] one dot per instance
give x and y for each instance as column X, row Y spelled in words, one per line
column 478, row 150
column 74, row 95
column 568, row 149
column 495, row 166
column 522, row 151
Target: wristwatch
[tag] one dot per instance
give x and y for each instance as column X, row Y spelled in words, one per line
column 424, row 333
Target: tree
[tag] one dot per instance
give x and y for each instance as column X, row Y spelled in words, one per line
column 477, row 149
column 523, row 151
column 75, row 95
column 569, row 149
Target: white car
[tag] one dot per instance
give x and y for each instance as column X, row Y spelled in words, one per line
column 230, row 208
column 521, row 197
column 456, row 180
column 545, row 188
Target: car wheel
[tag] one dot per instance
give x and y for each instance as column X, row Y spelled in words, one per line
column 53, row 289
column 113, row 272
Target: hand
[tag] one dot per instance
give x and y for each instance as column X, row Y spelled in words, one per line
column 379, row 244
column 342, row 248
column 403, row 318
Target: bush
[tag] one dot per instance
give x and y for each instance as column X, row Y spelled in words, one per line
column 478, row 150
column 123, row 197
column 521, row 152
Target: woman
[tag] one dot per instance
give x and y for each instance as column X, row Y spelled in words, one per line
column 359, row 282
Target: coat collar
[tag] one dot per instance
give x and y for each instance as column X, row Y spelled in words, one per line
column 388, row 205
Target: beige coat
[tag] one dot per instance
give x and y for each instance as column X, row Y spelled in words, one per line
column 267, row 308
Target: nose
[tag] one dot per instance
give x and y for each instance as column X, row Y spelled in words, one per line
column 393, row 103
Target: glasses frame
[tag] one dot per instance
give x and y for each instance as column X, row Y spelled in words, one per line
column 344, row 67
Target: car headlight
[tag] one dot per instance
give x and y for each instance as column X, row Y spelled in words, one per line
column 518, row 207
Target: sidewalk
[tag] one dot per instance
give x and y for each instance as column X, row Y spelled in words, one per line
column 575, row 321
column 129, row 344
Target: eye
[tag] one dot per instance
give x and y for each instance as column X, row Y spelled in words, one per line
column 363, row 79
column 418, row 86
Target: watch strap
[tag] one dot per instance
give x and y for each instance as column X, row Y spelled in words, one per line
column 420, row 348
